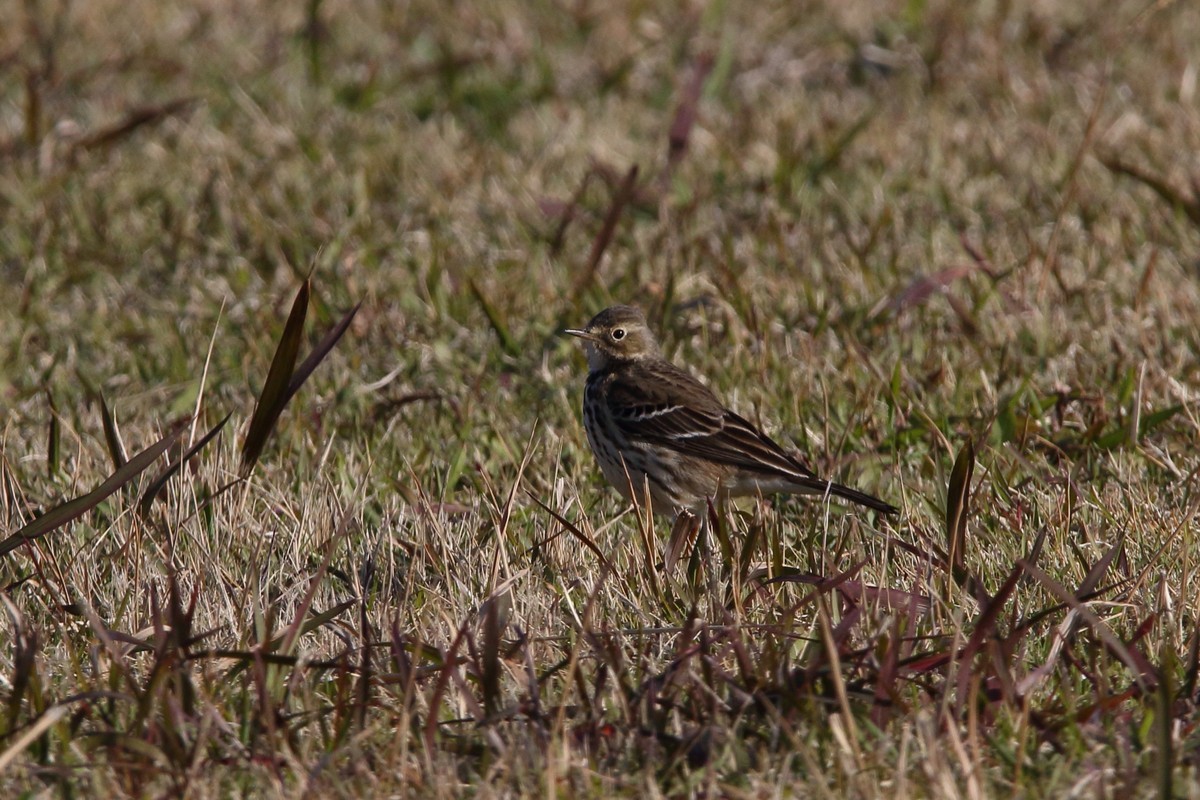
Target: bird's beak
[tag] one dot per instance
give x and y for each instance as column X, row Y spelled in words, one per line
column 580, row 334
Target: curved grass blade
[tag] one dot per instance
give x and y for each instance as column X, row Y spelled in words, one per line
column 73, row 509
column 957, row 509
column 275, row 392
column 31, row 734
column 985, row 627
column 319, row 352
column 111, row 438
column 683, row 532
column 572, row 529
column 134, row 119
column 1175, row 196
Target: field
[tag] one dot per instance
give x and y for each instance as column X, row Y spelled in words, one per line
column 949, row 252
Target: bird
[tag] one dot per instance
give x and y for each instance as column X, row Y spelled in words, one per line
column 660, row 435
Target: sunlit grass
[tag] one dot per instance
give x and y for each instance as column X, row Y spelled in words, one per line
column 894, row 237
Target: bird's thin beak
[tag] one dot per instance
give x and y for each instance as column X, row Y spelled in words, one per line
column 580, row 334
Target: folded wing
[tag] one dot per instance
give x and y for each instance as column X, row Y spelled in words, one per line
column 681, row 413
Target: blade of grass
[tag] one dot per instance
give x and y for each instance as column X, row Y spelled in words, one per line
column 957, row 509
column 1143, row 671
column 985, row 626
column 25, row 647
column 61, row 515
column 495, row 621
column 111, row 438
column 1100, row 569
column 570, row 210
column 684, row 531
column 53, row 439
column 133, row 119
column 1173, row 195
column 306, row 368
column 1193, row 664
column 268, row 651
column 274, row 394
column 571, row 528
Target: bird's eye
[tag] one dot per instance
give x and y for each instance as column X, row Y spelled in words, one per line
column 618, row 334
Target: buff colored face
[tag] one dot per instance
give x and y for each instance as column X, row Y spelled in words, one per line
column 616, row 334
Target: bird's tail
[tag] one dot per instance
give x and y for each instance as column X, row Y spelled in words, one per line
column 862, row 498
column 798, row 483
column 814, row 485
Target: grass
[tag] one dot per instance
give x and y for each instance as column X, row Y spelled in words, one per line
column 947, row 250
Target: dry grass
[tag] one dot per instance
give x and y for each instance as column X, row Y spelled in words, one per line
column 897, row 236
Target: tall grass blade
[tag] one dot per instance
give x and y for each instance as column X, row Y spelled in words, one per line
column 274, row 394
column 53, row 439
column 116, row 450
column 683, row 532
column 301, row 373
column 957, row 509
column 985, row 627
column 686, row 112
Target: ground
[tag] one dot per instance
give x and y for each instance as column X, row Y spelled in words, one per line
column 948, row 252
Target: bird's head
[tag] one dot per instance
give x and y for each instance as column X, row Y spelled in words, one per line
column 615, row 335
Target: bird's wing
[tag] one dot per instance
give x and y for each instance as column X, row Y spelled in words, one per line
column 675, row 410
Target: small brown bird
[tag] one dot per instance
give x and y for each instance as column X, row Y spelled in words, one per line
column 656, row 430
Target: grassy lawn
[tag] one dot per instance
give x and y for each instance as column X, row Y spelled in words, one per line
column 947, row 251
